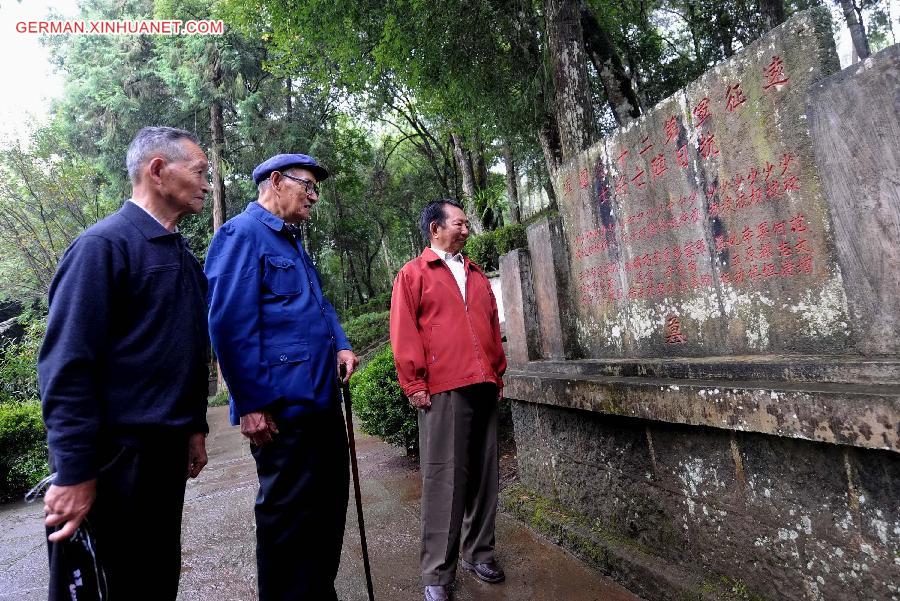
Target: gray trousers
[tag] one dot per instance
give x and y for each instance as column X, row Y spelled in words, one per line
column 458, row 458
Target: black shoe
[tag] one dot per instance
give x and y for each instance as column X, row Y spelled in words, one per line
column 488, row 571
column 437, row 592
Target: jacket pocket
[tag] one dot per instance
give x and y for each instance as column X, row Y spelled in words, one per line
column 434, row 334
column 291, row 372
column 281, row 276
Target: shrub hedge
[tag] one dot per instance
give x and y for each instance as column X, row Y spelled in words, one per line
column 379, row 302
column 485, row 249
column 380, row 405
column 23, row 448
column 367, row 329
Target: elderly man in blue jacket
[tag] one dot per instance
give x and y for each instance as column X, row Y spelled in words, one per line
column 280, row 348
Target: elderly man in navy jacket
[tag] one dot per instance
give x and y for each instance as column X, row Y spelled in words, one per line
column 124, row 377
column 280, row 347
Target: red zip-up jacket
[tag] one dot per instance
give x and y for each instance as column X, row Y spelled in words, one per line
column 439, row 341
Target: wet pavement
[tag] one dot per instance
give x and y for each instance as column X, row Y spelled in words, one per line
column 219, row 544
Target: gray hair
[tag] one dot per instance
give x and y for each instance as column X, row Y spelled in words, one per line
column 156, row 141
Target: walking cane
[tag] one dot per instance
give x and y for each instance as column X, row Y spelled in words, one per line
column 351, row 441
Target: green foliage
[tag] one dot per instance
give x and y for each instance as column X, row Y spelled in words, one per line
column 219, row 400
column 379, row 302
column 510, row 237
column 18, row 362
column 23, row 449
column 380, row 405
column 482, row 249
column 367, row 329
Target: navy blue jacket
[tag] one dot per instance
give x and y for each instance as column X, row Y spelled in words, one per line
column 274, row 333
column 126, row 350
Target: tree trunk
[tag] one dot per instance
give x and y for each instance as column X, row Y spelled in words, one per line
column 512, row 184
column 725, row 31
column 464, row 164
column 772, row 12
column 605, row 57
column 217, row 135
column 574, row 110
column 288, row 100
column 857, row 28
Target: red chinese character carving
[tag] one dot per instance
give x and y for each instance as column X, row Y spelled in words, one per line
column 714, row 209
column 621, row 159
column 773, row 188
column 753, row 273
column 742, row 201
column 756, row 195
column 798, row 223
column 747, row 234
column 786, row 160
column 638, row 180
column 621, row 185
column 734, row 97
column 658, row 166
column 774, row 73
column 707, row 145
column 739, row 276
column 725, row 277
column 762, row 230
column 802, row 247
column 765, row 251
column 689, row 250
column 567, row 186
column 720, row 243
column 787, row 268
column 784, row 249
column 671, row 129
column 711, row 191
column 752, row 175
column 804, row 264
column 648, row 145
column 751, row 254
column 791, row 183
column 701, row 112
column 779, row 228
column 768, row 168
column 737, row 180
column 768, row 270
column 700, row 246
column 583, row 178
column 673, row 330
column 681, row 156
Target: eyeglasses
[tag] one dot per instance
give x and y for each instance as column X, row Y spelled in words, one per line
column 308, row 184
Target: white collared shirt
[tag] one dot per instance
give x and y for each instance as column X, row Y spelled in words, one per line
column 457, row 266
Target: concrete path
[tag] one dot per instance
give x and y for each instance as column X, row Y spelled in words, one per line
column 219, row 543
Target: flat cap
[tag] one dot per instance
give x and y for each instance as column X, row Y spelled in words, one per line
column 286, row 161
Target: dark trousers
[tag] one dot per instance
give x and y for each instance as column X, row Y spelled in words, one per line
column 136, row 521
column 301, row 507
column 459, row 463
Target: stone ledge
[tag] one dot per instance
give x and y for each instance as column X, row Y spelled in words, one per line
column 861, row 415
column 615, row 556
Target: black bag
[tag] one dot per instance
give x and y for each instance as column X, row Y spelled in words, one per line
column 76, row 572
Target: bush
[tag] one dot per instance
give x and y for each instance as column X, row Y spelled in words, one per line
column 379, row 302
column 510, row 237
column 380, row 405
column 220, row 399
column 482, row 250
column 23, row 448
column 18, row 362
column 367, row 330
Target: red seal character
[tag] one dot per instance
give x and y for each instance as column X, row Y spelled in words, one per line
column 701, row 112
column 707, row 145
column 734, row 97
column 798, row 223
column 674, row 334
column 774, row 73
column 681, row 156
column 671, row 129
column 658, row 166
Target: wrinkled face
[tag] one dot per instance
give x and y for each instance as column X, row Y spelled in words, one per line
column 452, row 235
column 295, row 198
column 184, row 183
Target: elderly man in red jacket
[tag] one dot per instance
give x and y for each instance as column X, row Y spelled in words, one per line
column 445, row 334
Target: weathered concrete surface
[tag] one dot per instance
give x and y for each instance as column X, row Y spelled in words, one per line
column 773, row 517
column 859, row 415
column 518, row 298
column 855, row 120
column 219, row 543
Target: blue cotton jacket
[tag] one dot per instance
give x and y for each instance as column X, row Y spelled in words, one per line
column 275, row 335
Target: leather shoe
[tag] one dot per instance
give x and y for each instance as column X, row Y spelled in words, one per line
column 488, row 571
column 437, row 593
